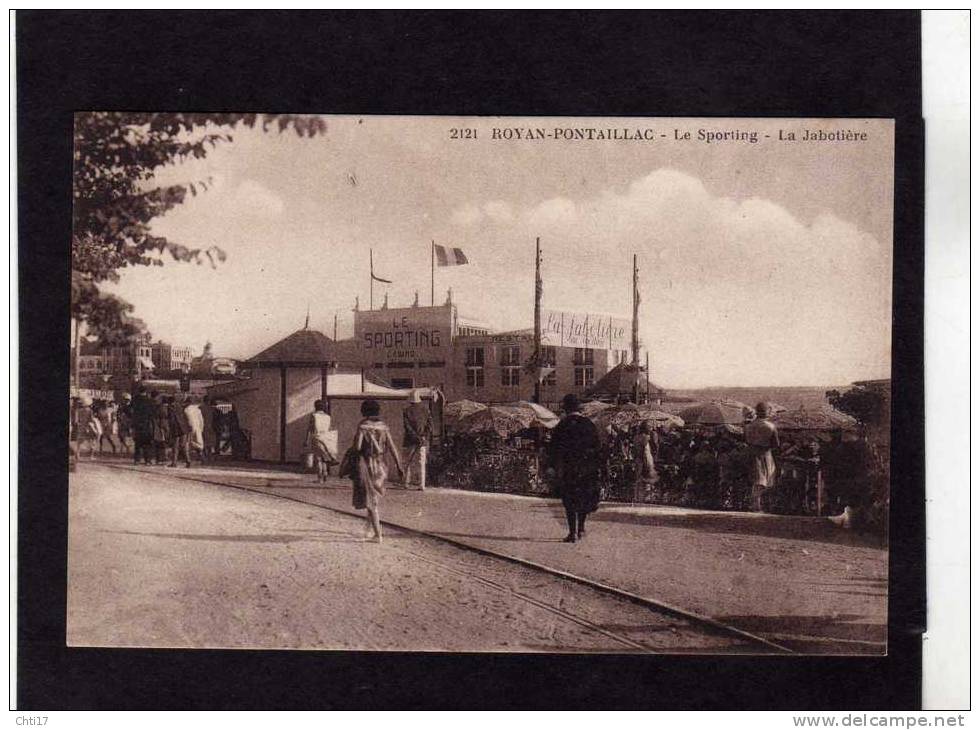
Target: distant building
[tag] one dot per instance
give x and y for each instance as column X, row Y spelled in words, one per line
column 91, row 359
column 133, row 359
column 207, row 366
column 170, row 358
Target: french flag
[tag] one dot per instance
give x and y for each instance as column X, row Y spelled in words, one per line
column 446, row 256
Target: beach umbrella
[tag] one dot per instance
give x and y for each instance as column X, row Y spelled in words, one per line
column 594, row 407
column 534, row 412
column 661, row 418
column 747, row 410
column 497, row 420
column 628, row 414
column 819, row 418
column 453, row 412
column 712, row 414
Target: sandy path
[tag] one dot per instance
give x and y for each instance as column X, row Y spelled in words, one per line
column 159, row 562
column 798, row 581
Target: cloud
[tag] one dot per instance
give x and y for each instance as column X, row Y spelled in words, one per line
column 497, row 211
column 734, row 291
column 467, row 215
column 252, row 198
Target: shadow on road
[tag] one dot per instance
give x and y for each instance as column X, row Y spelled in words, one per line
column 511, row 538
column 280, row 538
column 789, row 528
column 842, row 626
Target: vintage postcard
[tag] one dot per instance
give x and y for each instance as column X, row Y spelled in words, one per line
column 480, row 384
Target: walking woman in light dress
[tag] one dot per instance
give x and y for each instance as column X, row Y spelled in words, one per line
column 762, row 437
column 195, row 437
column 321, row 439
column 373, row 445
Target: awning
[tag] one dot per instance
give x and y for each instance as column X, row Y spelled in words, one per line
column 146, row 362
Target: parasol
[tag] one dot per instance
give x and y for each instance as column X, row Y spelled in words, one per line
column 453, row 412
column 594, row 407
column 534, row 412
column 497, row 420
column 747, row 410
column 629, row 413
column 712, row 414
column 819, row 418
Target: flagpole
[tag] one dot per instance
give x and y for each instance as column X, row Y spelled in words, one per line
column 371, row 301
column 636, row 332
column 432, row 254
column 648, row 377
column 537, row 320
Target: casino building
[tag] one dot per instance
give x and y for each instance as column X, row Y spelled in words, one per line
column 434, row 346
column 490, row 368
column 395, row 350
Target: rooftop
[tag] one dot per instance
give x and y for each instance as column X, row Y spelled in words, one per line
column 304, row 346
column 620, row 380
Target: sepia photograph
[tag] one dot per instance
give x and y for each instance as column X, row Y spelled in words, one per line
column 480, row 384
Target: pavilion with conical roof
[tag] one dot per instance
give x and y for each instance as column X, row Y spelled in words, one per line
column 622, row 381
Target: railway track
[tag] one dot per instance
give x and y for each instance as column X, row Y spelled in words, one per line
column 743, row 641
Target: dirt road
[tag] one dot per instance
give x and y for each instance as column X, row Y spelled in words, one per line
column 159, row 562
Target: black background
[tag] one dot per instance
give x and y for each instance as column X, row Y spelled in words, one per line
column 792, row 64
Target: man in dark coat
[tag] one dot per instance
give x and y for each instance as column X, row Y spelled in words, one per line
column 161, row 425
column 575, row 453
column 143, row 412
column 180, row 429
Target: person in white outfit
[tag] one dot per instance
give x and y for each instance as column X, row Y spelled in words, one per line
column 762, row 437
column 321, row 439
column 417, row 423
column 195, row 439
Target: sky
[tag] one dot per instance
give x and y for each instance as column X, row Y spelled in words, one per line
column 764, row 263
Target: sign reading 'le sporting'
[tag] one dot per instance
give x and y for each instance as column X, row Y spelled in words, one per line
column 590, row 331
column 407, row 337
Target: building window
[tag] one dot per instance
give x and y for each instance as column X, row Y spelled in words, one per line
column 510, row 375
column 510, row 355
column 474, row 357
column 474, row 377
column 583, row 356
column 474, row 367
column 584, row 376
column 549, row 356
column 549, row 379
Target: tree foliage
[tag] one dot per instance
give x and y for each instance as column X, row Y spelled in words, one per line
column 116, row 158
column 865, row 404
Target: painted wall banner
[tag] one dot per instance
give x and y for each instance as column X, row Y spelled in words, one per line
column 404, row 338
column 589, row 331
